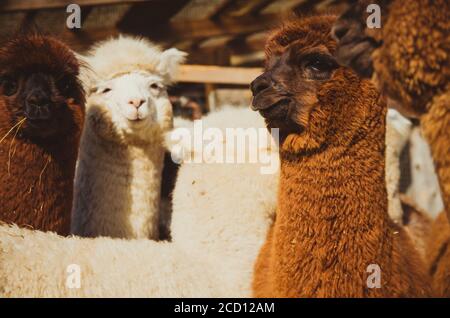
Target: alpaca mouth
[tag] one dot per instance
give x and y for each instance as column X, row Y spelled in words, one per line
column 278, row 109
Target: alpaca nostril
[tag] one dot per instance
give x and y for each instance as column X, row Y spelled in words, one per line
column 259, row 84
column 339, row 30
column 136, row 102
column 37, row 100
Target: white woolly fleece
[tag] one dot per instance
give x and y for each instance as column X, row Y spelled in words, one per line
column 220, row 219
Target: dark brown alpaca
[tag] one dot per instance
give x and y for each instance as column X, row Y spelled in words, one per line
column 42, row 110
column 332, row 221
column 410, row 59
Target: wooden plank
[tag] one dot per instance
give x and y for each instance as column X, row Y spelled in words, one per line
column 240, row 8
column 16, row 5
column 107, row 16
column 208, row 28
column 217, row 74
column 282, row 5
column 199, row 10
column 215, row 42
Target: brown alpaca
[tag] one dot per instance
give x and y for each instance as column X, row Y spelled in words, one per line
column 438, row 255
column 410, row 58
column 42, row 110
column 332, row 221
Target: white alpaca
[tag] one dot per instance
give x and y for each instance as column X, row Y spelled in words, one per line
column 220, row 219
column 118, row 177
column 398, row 130
column 221, row 215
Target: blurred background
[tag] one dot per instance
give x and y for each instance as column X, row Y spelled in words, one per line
column 224, row 38
column 225, row 41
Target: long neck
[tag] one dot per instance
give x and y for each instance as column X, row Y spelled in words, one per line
column 436, row 128
column 129, row 173
column 332, row 216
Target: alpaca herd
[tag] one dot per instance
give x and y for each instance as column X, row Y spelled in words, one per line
column 83, row 139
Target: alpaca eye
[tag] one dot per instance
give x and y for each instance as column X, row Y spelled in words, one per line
column 65, row 87
column 106, row 90
column 154, row 86
column 319, row 67
column 10, row 86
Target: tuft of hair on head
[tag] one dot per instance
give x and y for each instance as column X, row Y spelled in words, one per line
column 126, row 54
column 170, row 61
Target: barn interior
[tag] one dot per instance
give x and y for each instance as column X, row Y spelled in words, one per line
column 224, row 38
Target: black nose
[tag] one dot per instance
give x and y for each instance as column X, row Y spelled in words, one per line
column 259, row 84
column 37, row 106
column 339, row 30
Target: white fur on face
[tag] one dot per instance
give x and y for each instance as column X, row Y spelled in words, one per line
column 134, row 99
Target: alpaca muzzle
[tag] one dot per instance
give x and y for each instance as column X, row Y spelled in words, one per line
column 39, row 111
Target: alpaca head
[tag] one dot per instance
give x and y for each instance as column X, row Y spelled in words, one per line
column 39, row 86
column 408, row 55
column 357, row 42
column 305, row 93
column 129, row 88
column 135, row 102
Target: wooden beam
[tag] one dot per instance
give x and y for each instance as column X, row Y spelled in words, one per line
column 199, row 10
column 209, row 28
column 240, row 8
column 17, row 5
column 217, row 74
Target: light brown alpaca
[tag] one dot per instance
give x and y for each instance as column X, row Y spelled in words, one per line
column 332, row 221
column 410, row 59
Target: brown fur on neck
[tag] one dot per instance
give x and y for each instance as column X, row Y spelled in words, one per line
column 435, row 125
column 332, row 220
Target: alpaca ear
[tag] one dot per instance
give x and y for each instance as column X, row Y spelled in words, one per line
column 169, row 62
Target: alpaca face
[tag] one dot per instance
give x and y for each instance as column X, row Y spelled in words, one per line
column 135, row 101
column 357, row 42
column 39, row 86
column 303, row 91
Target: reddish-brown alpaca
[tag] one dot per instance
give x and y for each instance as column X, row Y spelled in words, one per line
column 332, row 221
column 42, row 110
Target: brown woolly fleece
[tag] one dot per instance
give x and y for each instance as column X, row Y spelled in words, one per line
column 332, row 220
column 38, row 151
column 438, row 255
column 413, row 67
column 416, row 223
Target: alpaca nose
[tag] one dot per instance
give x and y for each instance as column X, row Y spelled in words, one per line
column 38, row 99
column 259, row 84
column 38, row 106
column 136, row 102
column 339, row 30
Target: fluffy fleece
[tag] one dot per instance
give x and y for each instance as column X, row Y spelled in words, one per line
column 398, row 130
column 411, row 67
column 118, row 178
column 438, row 255
column 41, row 117
column 218, row 226
column 332, row 221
